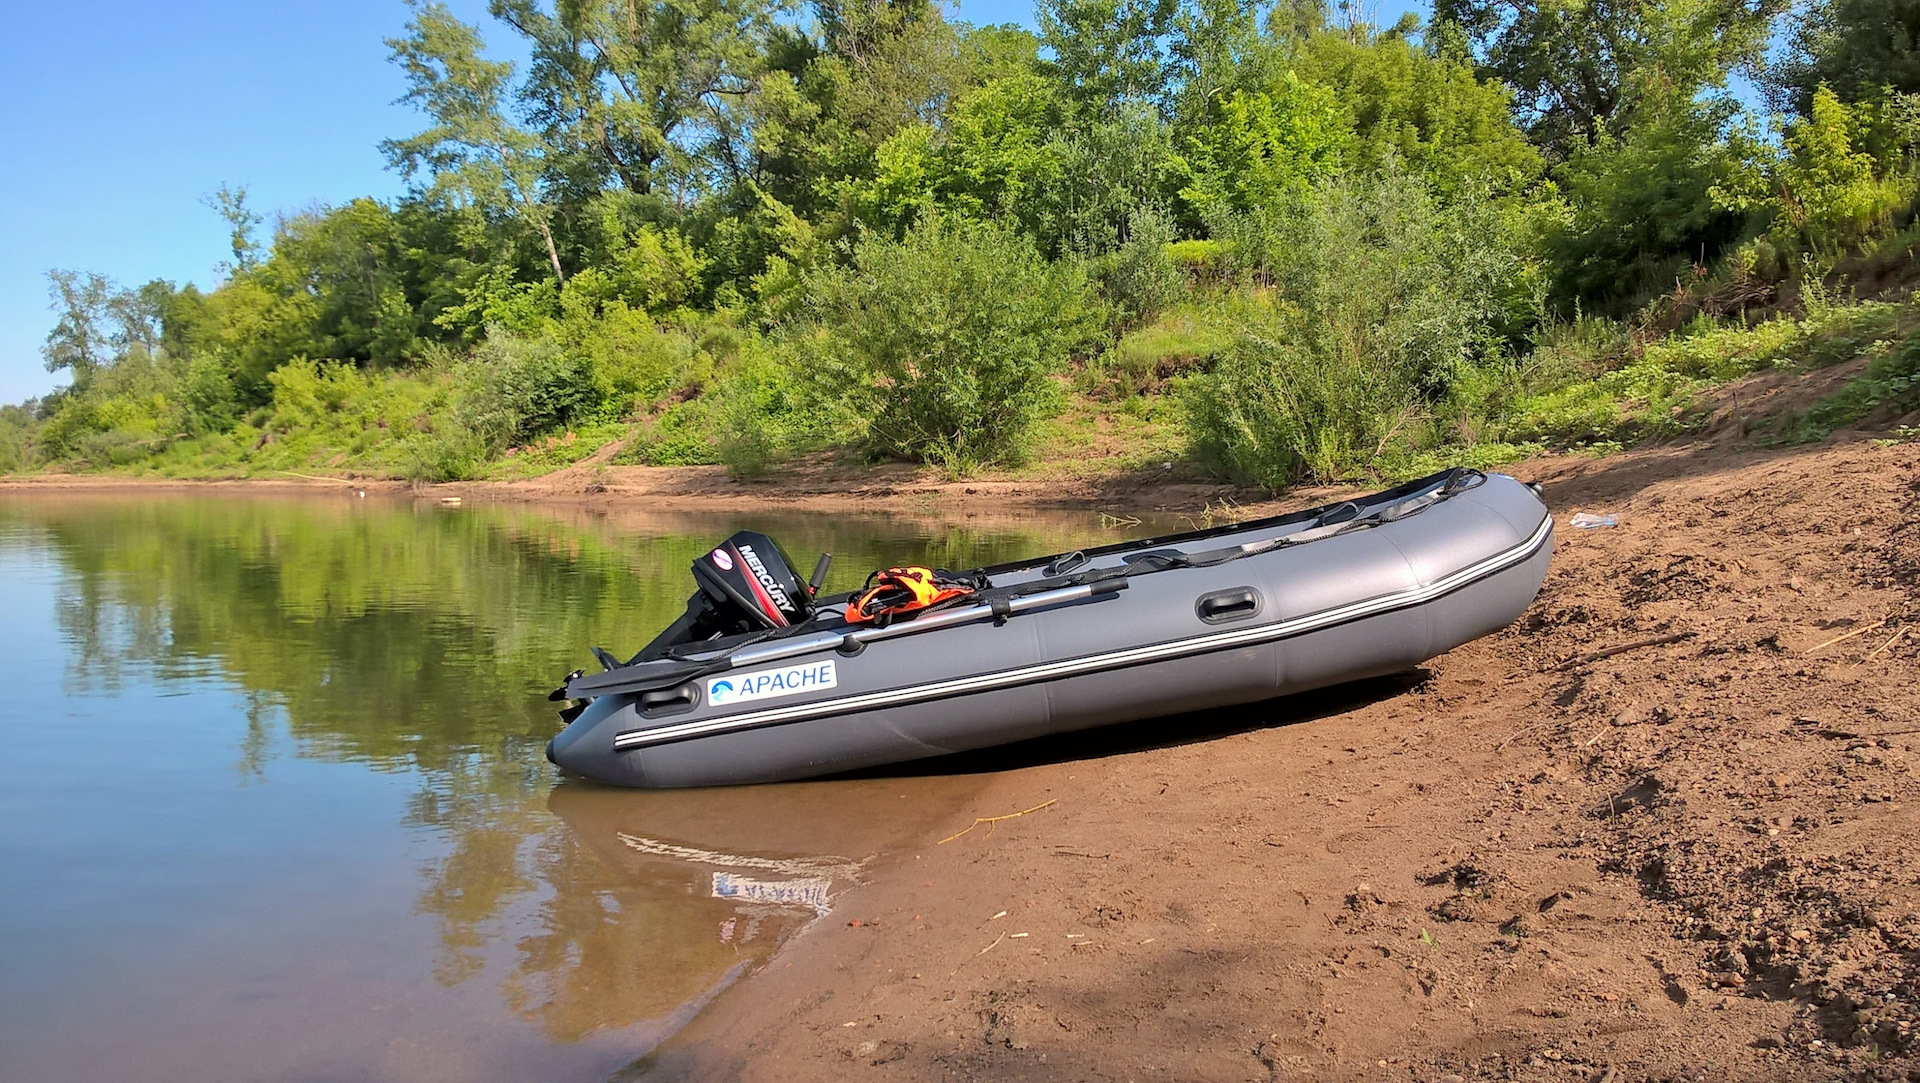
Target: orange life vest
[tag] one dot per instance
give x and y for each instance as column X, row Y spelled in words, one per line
column 906, row 590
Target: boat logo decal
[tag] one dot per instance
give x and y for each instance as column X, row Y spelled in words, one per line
column 768, row 683
column 721, row 559
column 765, row 577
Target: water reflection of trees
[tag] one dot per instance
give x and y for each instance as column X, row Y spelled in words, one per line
column 412, row 637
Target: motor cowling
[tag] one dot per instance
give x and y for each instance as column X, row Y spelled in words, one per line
column 748, row 578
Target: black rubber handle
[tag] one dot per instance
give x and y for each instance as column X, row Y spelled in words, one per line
column 672, row 701
column 1226, row 605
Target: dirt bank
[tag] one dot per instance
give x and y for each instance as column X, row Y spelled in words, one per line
column 1693, row 858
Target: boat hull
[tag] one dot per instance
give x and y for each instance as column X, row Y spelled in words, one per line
column 1372, row 602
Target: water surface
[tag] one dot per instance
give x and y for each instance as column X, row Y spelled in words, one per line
column 274, row 804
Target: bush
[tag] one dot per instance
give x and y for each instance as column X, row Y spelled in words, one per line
column 943, row 346
column 449, row 453
column 681, row 435
column 1143, row 278
column 16, row 434
column 1387, row 336
column 1822, row 187
column 763, row 412
column 512, row 389
column 628, row 359
column 210, row 400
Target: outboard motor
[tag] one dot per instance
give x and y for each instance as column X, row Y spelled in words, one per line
column 748, row 578
column 746, row 585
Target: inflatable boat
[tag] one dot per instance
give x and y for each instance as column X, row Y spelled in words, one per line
column 762, row 681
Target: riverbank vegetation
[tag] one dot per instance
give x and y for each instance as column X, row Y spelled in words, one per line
column 1273, row 241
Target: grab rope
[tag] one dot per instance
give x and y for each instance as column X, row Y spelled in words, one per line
column 1339, row 519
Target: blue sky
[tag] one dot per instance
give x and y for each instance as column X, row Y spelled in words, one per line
column 124, row 116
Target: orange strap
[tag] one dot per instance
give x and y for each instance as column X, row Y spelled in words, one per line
column 903, row 590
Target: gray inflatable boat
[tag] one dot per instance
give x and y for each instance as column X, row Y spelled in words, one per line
column 762, row 682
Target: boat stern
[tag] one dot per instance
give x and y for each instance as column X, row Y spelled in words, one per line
column 585, row 746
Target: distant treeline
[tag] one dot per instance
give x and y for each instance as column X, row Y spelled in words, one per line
column 733, row 230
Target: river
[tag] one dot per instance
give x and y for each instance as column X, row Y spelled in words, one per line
column 275, row 805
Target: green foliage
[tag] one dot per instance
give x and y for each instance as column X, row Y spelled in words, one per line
column 1640, row 209
column 1581, row 71
column 681, row 435
column 1857, row 47
column 16, row 439
column 1889, row 386
column 996, row 157
column 1425, row 110
column 943, row 345
column 1109, row 54
column 1113, row 167
column 1610, row 397
column 730, row 233
column 1821, row 186
column 1384, row 337
column 1203, row 261
column 472, row 151
column 764, row 411
column 646, row 270
column 1142, row 277
column 1263, row 151
column 1182, row 341
column 513, row 389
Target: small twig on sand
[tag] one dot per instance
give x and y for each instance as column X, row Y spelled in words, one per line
column 991, row 820
column 1844, row 638
column 1897, row 637
column 1594, row 656
column 982, row 951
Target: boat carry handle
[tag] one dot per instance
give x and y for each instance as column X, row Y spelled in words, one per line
column 670, row 701
column 1222, row 606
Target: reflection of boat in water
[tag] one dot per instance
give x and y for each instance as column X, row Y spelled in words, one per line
column 669, row 902
column 760, row 682
column 738, row 875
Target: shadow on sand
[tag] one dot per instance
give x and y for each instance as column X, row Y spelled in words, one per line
column 1167, row 731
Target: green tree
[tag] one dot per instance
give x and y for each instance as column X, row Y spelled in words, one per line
column 1425, row 109
column 655, row 95
column 1819, row 183
column 1858, row 48
column 997, row 156
column 1576, row 66
column 473, row 151
column 1640, row 207
column 1217, row 48
column 1109, row 54
column 1393, row 312
column 79, row 342
column 231, row 205
column 1263, row 150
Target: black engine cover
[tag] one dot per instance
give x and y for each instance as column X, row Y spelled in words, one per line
column 748, row 576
